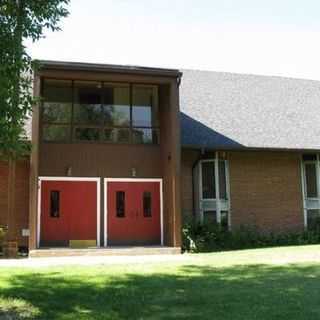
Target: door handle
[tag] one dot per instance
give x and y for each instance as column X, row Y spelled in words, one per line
column 137, row 214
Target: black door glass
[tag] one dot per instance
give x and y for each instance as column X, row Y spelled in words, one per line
column 55, row 204
column 120, row 204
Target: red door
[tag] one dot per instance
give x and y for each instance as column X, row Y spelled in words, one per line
column 133, row 213
column 68, row 212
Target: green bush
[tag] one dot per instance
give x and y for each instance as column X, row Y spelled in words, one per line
column 212, row 237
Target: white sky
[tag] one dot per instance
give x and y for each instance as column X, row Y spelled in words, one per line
column 271, row 37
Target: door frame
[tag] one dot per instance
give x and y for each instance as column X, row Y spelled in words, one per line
column 84, row 179
column 105, row 183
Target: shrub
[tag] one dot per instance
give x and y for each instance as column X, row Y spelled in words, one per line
column 212, row 237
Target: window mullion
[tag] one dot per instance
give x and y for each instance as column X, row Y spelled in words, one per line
column 216, row 176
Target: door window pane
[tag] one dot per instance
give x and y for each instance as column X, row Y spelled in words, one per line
column 144, row 107
column 208, row 180
column 116, row 105
column 120, row 204
column 57, row 96
column 147, row 205
column 56, row 133
column 87, row 134
column 55, row 204
column 87, row 102
column 313, row 219
column 311, row 180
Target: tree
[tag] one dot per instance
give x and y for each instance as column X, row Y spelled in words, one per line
column 21, row 20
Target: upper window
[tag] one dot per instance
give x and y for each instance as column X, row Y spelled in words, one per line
column 96, row 111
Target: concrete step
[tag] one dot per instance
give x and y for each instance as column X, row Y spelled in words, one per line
column 110, row 251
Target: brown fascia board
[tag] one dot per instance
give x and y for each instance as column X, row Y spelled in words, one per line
column 110, row 68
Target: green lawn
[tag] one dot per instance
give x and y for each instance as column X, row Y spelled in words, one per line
column 276, row 283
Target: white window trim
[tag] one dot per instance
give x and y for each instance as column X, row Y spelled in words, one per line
column 217, row 189
column 105, row 183
column 40, row 179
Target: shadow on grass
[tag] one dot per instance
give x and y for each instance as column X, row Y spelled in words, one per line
column 189, row 292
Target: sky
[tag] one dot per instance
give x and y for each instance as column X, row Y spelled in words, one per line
column 268, row 37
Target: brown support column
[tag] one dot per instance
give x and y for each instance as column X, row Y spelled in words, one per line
column 34, row 165
column 175, row 165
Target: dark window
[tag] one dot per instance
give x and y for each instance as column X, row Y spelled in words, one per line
column 311, row 180
column 120, row 203
column 55, row 132
column 224, row 219
column 222, row 180
column 57, row 101
column 116, row 105
column 208, row 181
column 210, row 217
column 147, row 204
column 55, row 204
column 87, row 134
column 313, row 219
column 97, row 111
column 117, row 135
column 87, row 103
column 309, row 157
column 145, row 135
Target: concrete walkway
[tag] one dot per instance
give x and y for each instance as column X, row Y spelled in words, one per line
column 89, row 260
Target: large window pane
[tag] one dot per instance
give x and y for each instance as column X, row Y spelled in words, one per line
column 116, row 105
column 87, row 134
column 313, row 219
column 87, row 102
column 57, row 101
column 120, row 135
column 311, row 180
column 224, row 219
column 222, row 180
column 208, row 180
column 210, row 217
column 56, row 133
column 144, row 107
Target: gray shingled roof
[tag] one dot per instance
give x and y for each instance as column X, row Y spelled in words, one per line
column 225, row 110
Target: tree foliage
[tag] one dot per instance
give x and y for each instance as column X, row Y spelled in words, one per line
column 21, row 20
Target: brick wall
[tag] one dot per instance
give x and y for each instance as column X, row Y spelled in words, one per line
column 265, row 189
column 188, row 158
column 21, row 216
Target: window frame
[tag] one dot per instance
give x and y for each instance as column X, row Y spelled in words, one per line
column 101, row 127
column 305, row 199
column 218, row 201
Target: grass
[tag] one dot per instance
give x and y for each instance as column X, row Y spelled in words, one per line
column 275, row 283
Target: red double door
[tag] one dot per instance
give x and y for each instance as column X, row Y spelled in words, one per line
column 68, row 212
column 133, row 213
